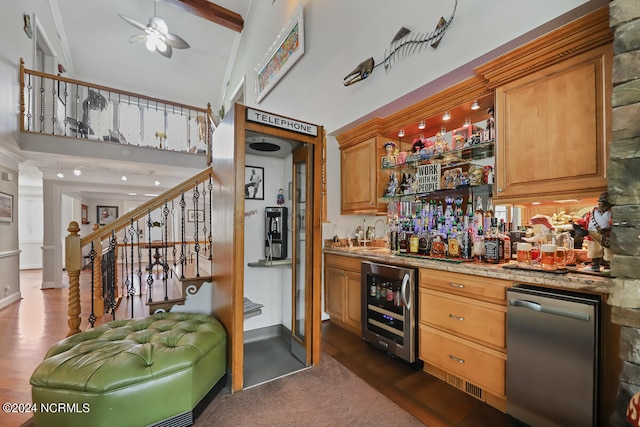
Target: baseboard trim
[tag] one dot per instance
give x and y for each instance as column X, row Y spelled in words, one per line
column 11, row 299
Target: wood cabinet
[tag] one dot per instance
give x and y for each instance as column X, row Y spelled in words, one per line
column 462, row 332
column 342, row 291
column 362, row 182
column 553, row 127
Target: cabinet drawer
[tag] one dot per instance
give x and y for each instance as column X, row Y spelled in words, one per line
column 343, row 262
column 463, row 316
column 483, row 288
column 482, row 367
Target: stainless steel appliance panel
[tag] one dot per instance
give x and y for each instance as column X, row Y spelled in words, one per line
column 552, row 356
column 389, row 307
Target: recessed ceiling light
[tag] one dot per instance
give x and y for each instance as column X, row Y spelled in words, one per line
column 124, row 177
column 151, row 195
column 132, row 194
column 536, row 203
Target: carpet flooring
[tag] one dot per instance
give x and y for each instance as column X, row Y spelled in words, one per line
column 324, row 395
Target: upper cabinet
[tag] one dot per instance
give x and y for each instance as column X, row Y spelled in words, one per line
column 554, row 130
column 553, row 103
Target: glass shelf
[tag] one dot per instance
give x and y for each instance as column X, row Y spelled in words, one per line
column 481, row 189
column 451, row 158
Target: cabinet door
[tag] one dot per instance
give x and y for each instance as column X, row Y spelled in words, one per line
column 359, row 183
column 553, row 128
column 353, row 315
column 334, row 292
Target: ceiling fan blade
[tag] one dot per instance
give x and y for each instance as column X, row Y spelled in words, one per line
column 166, row 53
column 135, row 23
column 176, row 41
column 138, row 38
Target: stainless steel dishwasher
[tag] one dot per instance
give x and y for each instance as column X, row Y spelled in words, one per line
column 552, row 356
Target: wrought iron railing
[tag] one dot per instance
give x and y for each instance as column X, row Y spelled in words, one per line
column 134, row 240
column 61, row 106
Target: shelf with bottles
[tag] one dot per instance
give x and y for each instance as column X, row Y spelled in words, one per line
column 449, row 157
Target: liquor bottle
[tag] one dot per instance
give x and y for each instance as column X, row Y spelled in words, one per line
column 506, row 241
column 478, row 245
column 453, row 244
column 488, row 214
column 466, row 245
column 404, row 244
column 492, row 245
column 478, row 216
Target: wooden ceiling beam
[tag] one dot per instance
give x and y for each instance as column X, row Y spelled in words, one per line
column 211, row 12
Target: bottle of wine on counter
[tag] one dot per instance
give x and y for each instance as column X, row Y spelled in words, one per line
column 478, row 245
column 492, row 244
column 466, row 245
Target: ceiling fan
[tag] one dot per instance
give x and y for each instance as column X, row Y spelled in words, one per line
column 156, row 35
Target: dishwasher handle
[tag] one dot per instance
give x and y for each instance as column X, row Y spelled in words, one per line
column 556, row 311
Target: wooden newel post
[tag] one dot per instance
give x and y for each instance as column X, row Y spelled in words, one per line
column 73, row 265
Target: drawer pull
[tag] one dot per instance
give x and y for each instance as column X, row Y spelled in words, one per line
column 456, row 285
column 453, row 316
column 456, row 359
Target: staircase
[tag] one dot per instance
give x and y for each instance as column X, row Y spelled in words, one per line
column 123, row 252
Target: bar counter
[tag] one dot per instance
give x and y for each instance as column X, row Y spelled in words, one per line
column 571, row 280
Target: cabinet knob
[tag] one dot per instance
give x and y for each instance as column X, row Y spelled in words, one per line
column 456, row 285
column 453, row 316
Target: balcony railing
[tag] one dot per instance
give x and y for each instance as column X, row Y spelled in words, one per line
column 57, row 105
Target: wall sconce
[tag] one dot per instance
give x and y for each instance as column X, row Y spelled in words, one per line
column 401, row 133
column 446, row 116
column 475, row 106
column 422, row 125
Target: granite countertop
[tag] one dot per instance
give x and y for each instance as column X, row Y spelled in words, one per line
column 571, row 281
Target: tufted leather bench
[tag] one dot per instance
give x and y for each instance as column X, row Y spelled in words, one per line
column 133, row 372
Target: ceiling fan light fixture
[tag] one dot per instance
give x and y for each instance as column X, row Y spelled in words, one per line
column 161, row 45
column 152, row 42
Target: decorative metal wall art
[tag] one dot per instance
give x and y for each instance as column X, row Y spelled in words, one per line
column 404, row 43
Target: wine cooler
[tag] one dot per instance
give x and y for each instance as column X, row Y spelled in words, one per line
column 389, row 308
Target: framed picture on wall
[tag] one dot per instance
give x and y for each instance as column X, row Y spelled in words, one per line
column 106, row 214
column 195, row 215
column 253, row 182
column 6, row 207
column 85, row 214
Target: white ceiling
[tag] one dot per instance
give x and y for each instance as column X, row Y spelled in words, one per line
column 96, row 49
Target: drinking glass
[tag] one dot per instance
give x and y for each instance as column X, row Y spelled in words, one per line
column 524, row 254
column 548, row 257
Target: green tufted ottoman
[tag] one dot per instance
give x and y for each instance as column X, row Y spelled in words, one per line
column 133, row 372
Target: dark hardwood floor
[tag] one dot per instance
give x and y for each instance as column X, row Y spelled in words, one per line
column 429, row 399
column 29, row 327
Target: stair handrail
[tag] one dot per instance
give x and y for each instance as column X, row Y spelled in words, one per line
column 123, row 221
